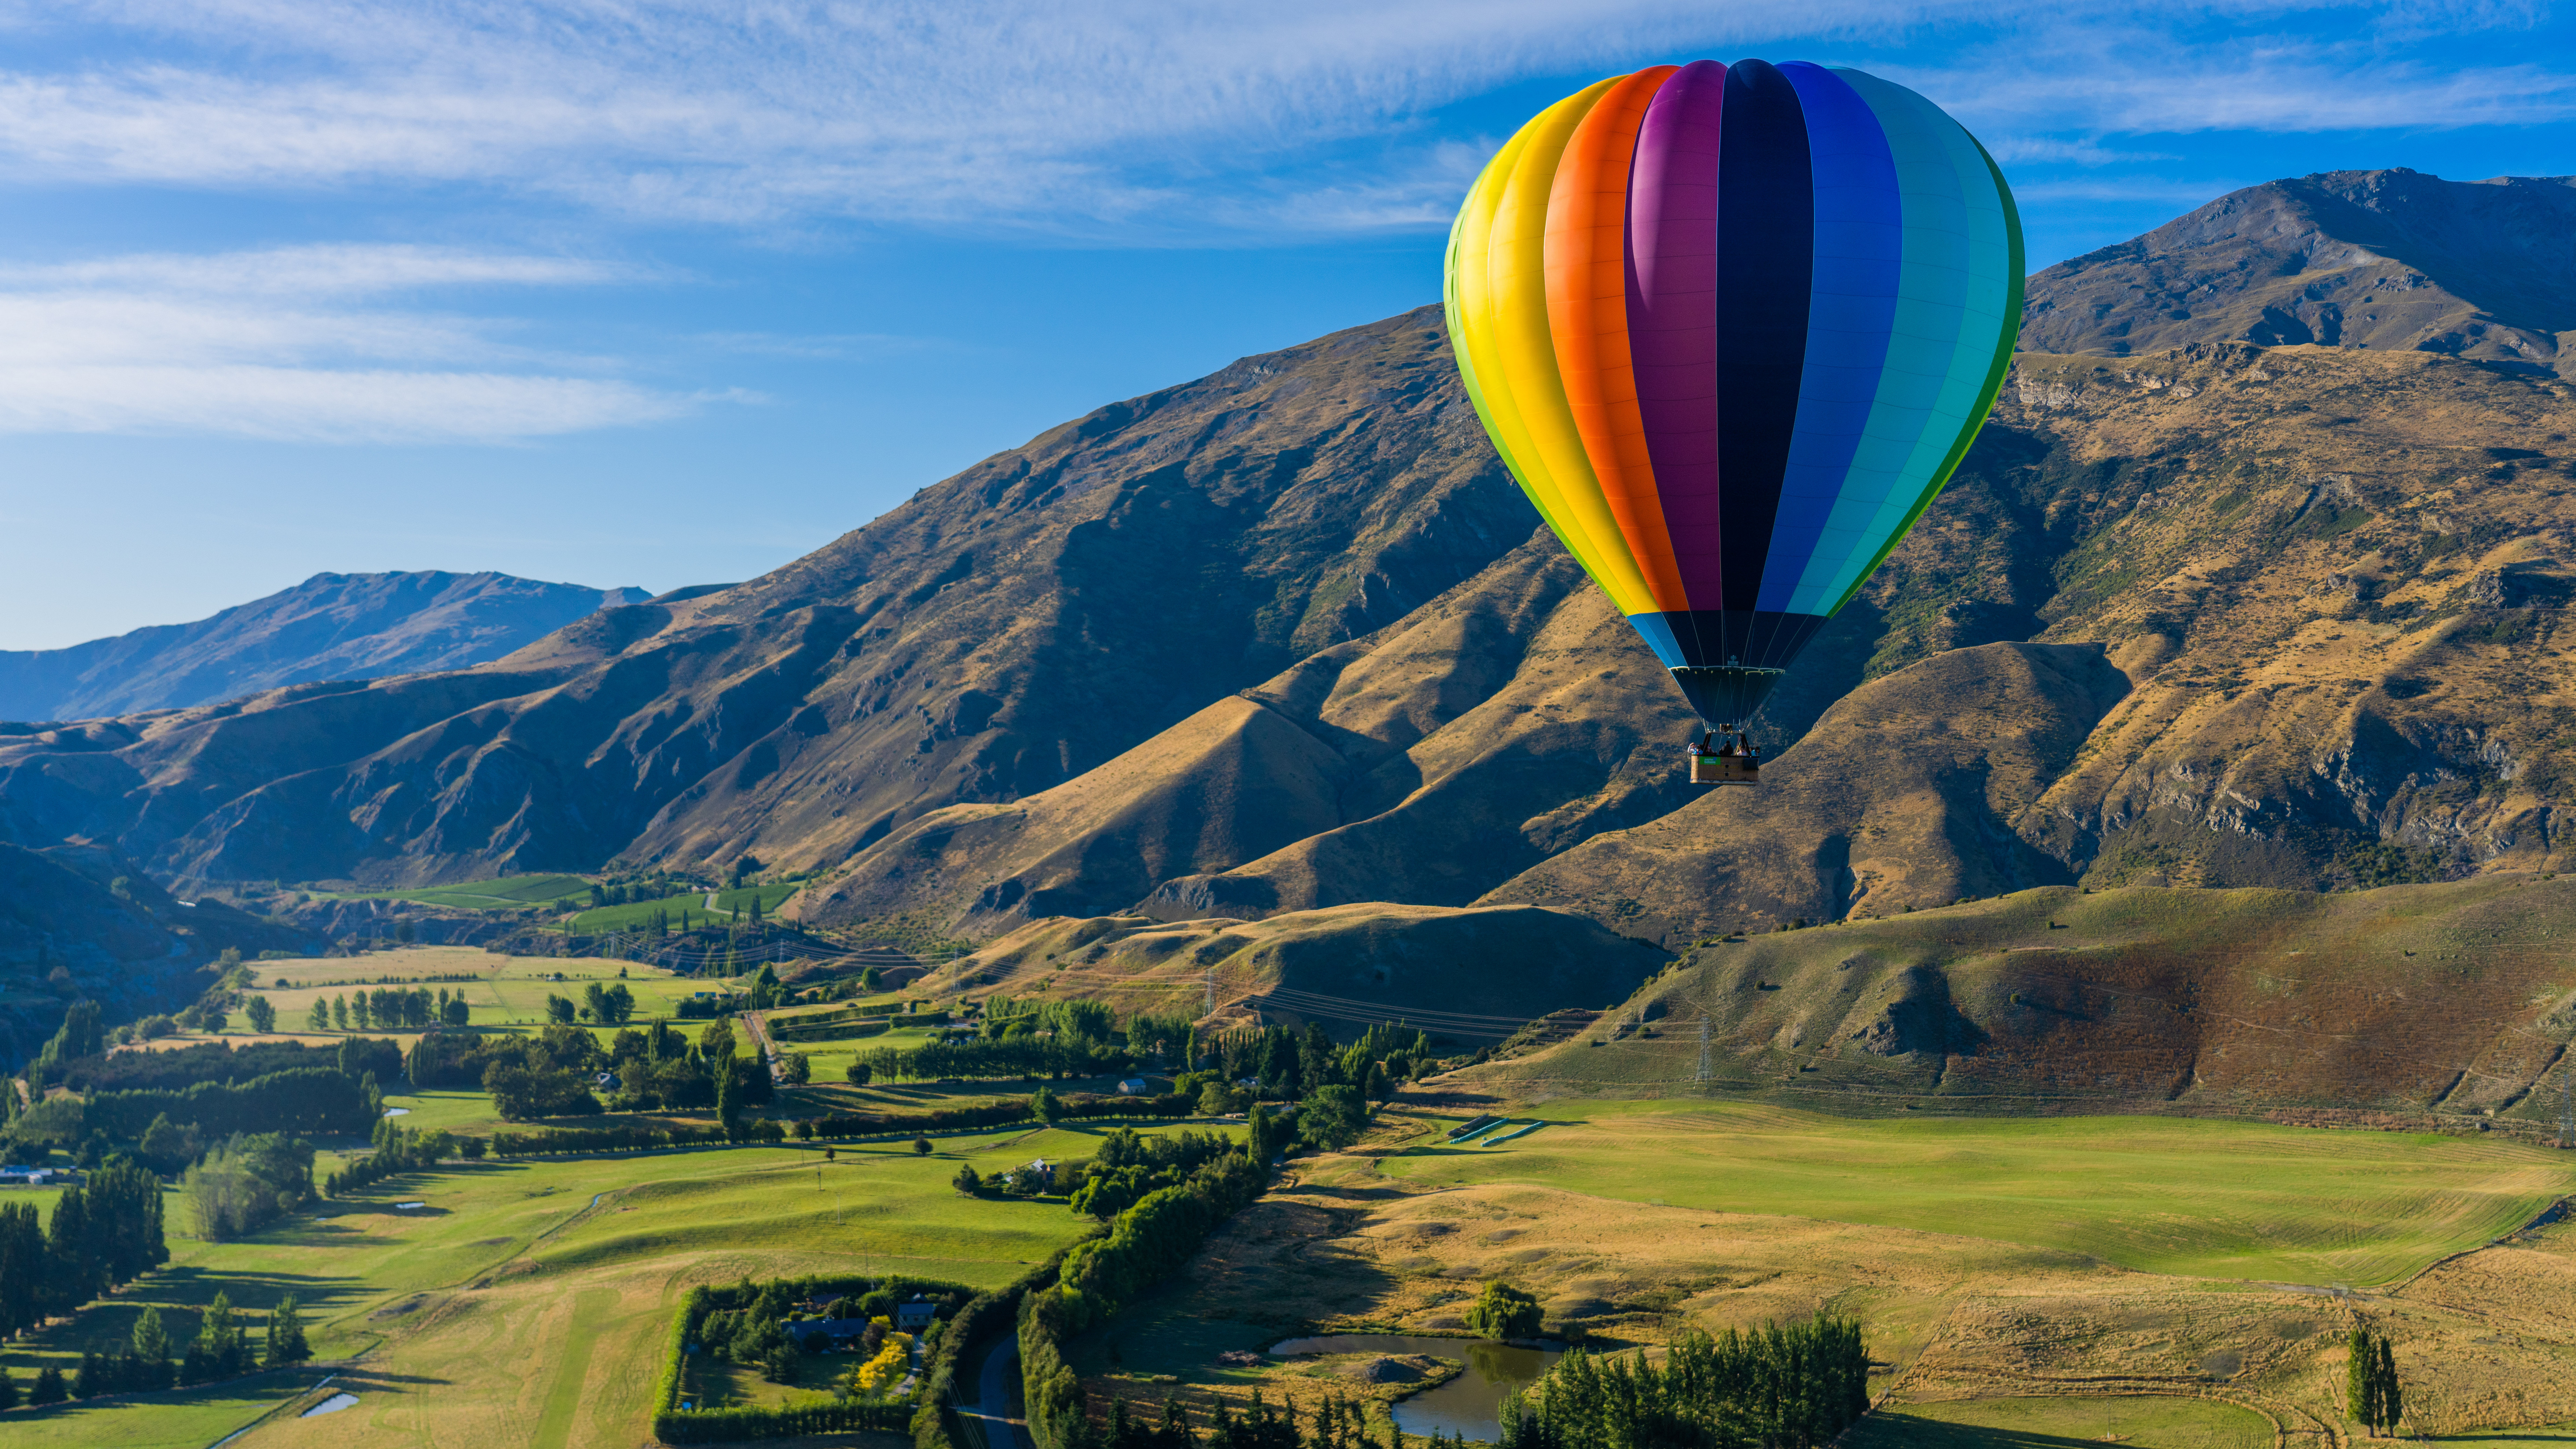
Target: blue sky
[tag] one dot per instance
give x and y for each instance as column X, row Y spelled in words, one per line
column 621, row 292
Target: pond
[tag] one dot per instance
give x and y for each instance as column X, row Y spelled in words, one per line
column 1470, row 1404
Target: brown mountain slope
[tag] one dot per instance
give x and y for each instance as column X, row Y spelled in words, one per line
column 2392, row 260
column 2450, row 999
column 2275, row 548
column 1500, row 965
column 1000, row 633
column 2337, row 594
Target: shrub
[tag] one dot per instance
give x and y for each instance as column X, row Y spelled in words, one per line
column 1503, row 1311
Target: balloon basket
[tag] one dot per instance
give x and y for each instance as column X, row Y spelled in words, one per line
column 1724, row 770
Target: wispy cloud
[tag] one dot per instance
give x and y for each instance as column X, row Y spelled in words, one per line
column 1087, row 116
column 295, row 343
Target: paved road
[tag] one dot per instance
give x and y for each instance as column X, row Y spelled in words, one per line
column 990, row 1414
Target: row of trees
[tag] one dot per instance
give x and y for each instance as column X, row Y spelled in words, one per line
column 1339, row 1424
column 609, row 1005
column 1144, row 1244
column 151, row 1360
column 1791, row 1387
column 104, row 1234
column 386, row 1008
column 2371, row 1392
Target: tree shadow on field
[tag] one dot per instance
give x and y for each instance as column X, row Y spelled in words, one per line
column 1885, row 1430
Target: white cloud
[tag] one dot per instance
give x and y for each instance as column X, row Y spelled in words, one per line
column 1078, row 116
column 294, row 343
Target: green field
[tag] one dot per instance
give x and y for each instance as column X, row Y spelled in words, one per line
column 2143, row 1421
column 506, row 991
column 525, row 1302
column 508, row 893
column 636, row 915
column 2159, row 1194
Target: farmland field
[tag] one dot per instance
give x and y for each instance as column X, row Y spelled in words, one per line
column 472, row 1303
column 636, row 915
column 2145, row 1421
column 508, row 893
column 2159, row 1194
column 505, row 991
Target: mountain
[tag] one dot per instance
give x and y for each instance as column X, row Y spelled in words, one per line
column 998, row 634
column 331, row 626
column 1286, row 640
column 2392, row 260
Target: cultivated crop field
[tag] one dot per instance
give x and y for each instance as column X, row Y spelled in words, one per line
column 524, row 1303
column 2160, row 1194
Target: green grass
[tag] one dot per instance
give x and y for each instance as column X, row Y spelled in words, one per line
column 2159, row 1194
column 477, row 1307
column 2062, row 1423
column 636, row 915
column 508, row 893
column 178, row 1419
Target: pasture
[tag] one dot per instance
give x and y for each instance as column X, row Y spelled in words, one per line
column 2144, row 1421
column 637, row 915
column 2201, row 1198
column 508, row 893
column 525, row 1302
column 505, row 991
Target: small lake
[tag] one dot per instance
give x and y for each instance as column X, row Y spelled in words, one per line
column 1470, row 1404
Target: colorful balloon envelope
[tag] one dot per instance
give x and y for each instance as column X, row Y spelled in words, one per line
column 1732, row 328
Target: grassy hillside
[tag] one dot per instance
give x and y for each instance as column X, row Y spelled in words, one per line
column 2445, row 1001
column 2205, row 1199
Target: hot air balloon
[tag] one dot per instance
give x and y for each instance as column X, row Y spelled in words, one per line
column 1732, row 329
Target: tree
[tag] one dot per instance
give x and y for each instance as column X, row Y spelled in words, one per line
column 262, row 1014
column 1381, row 1087
column 1334, row 1117
column 2360, row 1384
column 8, row 1391
column 151, row 1352
column 1048, row 1106
column 1503, row 1311
column 286, row 1343
column 560, row 1010
column 340, row 1013
column 871, row 980
column 455, row 1012
column 360, row 1010
column 1216, row 1099
column 320, row 1020
column 921, row 1147
column 167, row 1146
column 49, row 1387
column 2392, row 1399
column 967, row 1180
column 859, row 1073
column 524, row 1092
column 800, row 1069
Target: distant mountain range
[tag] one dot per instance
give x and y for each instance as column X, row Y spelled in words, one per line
column 329, row 627
column 2208, row 604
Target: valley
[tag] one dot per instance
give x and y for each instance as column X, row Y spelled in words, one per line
column 1220, row 873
